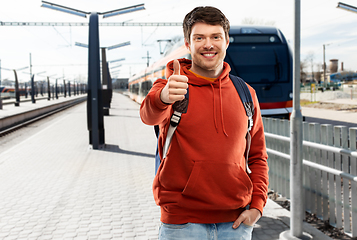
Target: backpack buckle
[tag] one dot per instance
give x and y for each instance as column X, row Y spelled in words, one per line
column 250, row 123
column 175, row 118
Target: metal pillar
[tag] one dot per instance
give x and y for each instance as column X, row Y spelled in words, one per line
column 26, row 90
column 296, row 193
column 64, row 88
column 94, row 100
column 48, row 89
column 36, row 89
column 30, row 65
column 33, row 89
column 56, row 90
column 324, row 64
column 105, row 83
column 17, row 92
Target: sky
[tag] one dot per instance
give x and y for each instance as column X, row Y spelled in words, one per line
column 53, row 51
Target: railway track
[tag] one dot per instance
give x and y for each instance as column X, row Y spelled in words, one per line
column 12, row 128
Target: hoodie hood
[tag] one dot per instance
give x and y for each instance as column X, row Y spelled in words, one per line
column 220, row 82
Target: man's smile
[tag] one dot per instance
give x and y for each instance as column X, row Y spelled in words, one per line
column 209, row 54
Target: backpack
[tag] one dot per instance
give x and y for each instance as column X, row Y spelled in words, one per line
column 181, row 107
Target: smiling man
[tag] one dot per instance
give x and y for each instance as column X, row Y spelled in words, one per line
column 205, row 186
column 207, row 45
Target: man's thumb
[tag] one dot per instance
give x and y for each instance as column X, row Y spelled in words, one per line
column 176, row 67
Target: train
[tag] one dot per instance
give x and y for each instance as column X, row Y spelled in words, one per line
column 9, row 92
column 260, row 55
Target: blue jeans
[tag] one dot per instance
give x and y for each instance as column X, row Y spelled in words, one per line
column 197, row 231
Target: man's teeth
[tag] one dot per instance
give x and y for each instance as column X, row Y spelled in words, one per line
column 209, row 54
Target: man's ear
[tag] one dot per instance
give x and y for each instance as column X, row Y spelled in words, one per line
column 187, row 44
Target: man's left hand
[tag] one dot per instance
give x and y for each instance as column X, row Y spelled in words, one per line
column 248, row 217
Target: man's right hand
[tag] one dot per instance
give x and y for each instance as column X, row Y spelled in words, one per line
column 176, row 86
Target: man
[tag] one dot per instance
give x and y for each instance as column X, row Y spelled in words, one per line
column 202, row 185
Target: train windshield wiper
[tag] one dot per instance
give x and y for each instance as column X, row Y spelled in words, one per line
column 277, row 67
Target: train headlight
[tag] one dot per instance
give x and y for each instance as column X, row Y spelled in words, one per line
column 291, row 95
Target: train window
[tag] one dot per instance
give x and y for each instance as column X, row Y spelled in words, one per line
column 249, row 30
column 254, row 39
column 259, row 63
column 145, row 87
column 134, row 88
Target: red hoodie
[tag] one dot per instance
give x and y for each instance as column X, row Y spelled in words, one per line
column 203, row 179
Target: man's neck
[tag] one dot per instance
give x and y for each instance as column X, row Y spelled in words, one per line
column 206, row 73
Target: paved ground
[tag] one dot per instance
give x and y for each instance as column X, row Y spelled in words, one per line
column 344, row 116
column 53, row 186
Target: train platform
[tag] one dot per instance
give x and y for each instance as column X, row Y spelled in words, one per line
column 54, row 186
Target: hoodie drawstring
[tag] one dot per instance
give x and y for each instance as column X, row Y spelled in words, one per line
column 221, row 108
column 220, row 99
column 214, row 108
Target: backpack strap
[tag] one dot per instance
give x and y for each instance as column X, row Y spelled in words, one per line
column 246, row 97
column 179, row 108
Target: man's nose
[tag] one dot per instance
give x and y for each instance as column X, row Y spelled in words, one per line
column 208, row 43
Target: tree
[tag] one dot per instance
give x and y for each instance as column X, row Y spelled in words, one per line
column 309, row 61
column 302, row 71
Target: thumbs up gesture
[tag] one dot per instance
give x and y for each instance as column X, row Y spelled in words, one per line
column 176, row 86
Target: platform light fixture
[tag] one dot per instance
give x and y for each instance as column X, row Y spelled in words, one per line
column 84, row 14
column 123, row 10
column 35, row 73
column 81, row 45
column 19, row 69
column 117, row 60
column 109, row 48
column 119, row 45
column 347, row 7
column 64, row 9
column 116, row 71
column 14, row 70
column 116, row 66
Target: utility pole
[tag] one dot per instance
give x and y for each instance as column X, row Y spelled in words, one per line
column 162, row 51
column 324, row 49
column 30, row 66
column 296, row 187
column 147, row 58
column 324, row 65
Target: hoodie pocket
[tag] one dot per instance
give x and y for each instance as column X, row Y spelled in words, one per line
column 217, row 185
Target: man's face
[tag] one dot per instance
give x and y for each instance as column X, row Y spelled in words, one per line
column 208, row 46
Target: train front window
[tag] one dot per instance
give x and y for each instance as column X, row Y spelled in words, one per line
column 258, row 62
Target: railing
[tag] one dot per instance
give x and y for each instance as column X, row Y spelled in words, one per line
column 330, row 169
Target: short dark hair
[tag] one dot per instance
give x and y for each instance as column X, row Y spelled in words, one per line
column 208, row 15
